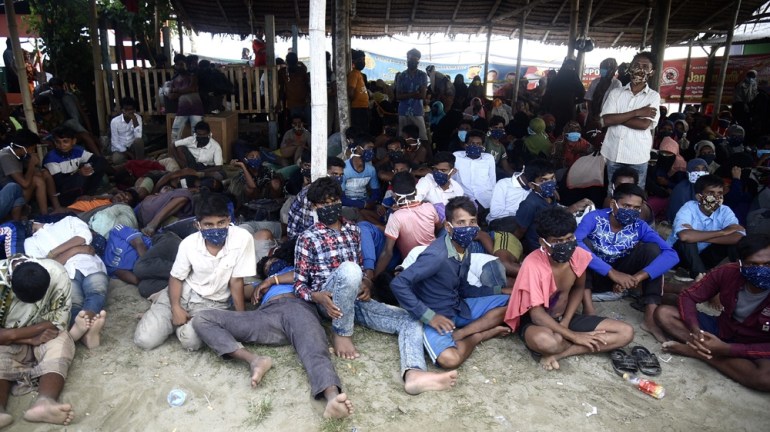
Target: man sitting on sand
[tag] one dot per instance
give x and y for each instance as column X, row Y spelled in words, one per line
column 34, row 342
column 282, row 318
column 329, row 273
column 435, row 290
column 68, row 241
column 207, row 274
column 737, row 342
column 547, row 292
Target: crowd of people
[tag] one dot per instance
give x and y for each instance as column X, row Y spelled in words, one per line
column 445, row 217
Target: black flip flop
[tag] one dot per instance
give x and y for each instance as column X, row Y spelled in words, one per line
column 623, row 363
column 646, row 361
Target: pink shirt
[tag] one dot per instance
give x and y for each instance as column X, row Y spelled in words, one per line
column 412, row 226
column 535, row 285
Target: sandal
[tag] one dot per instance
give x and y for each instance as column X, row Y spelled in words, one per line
column 647, row 362
column 623, row 363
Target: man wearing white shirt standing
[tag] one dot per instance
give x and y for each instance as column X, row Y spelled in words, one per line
column 631, row 114
column 439, row 186
column 476, row 171
column 126, row 129
column 199, row 151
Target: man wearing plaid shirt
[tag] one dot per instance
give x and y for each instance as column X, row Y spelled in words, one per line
column 328, row 272
column 301, row 212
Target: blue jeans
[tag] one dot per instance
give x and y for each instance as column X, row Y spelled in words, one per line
column 641, row 169
column 10, row 196
column 89, row 293
column 344, row 284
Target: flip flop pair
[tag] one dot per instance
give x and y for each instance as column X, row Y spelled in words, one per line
column 640, row 359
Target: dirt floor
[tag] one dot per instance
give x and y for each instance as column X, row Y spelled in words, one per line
column 118, row 387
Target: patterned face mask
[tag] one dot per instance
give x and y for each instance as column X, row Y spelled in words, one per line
column 547, row 188
column 473, row 151
column 627, row 216
column 215, row 236
column 562, row 252
column 711, row 203
column 695, row 175
column 440, row 178
column 759, row 276
column 329, row 214
column 368, row 155
column 463, row 236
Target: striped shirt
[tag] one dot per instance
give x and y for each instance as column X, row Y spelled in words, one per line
column 623, row 144
column 56, row 163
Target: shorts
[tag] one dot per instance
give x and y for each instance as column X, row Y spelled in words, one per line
column 509, row 242
column 23, row 363
column 435, row 343
column 579, row 323
column 708, row 323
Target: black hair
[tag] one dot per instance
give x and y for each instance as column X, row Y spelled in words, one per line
column 401, row 142
column 411, row 131
column 627, row 189
column 444, row 156
column 202, row 126
column 128, row 102
column 211, row 204
column 285, row 252
column 476, row 133
column 496, row 120
column 457, row 203
column 625, row 171
column 296, row 116
column 30, row 281
column 55, row 81
column 404, row 183
column 334, row 161
column 63, row 132
column 25, row 137
column 306, row 156
column 180, row 58
column 211, row 184
column 469, row 122
column 747, row 246
column 646, row 54
column 42, row 100
column 555, row 222
column 362, row 139
column 706, row 181
column 351, row 132
column 403, row 161
column 537, row 168
column 323, row 189
column 414, row 52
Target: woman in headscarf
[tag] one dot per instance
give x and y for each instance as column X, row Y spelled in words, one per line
column 707, row 151
column 501, row 109
column 461, row 93
column 537, row 144
column 436, row 113
column 601, row 87
column 570, row 146
column 475, row 110
column 669, row 170
column 564, row 91
column 476, row 89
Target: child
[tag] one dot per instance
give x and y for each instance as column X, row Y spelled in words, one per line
column 75, row 171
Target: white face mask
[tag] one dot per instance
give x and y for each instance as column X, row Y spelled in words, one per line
column 695, row 175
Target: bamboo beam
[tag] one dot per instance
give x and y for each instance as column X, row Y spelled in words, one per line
column 318, row 90
column 387, row 16
column 21, row 69
column 96, row 52
column 411, row 19
column 659, row 38
column 686, row 74
column 516, row 84
column 723, row 68
column 573, row 27
column 491, row 13
column 555, row 18
column 454, row 16
column 518, row 10
column 486, row 59
column 643, row 43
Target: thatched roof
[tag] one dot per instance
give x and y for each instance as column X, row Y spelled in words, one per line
column 613, row 23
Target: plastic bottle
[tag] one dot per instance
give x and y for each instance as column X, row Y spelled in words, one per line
column 646, row 386
column 176, row 397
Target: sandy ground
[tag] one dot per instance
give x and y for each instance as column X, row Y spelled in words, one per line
column 118, row 387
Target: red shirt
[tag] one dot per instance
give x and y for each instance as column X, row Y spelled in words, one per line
column 748, row 339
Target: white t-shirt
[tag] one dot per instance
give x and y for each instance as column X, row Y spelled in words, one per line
column 209, row 155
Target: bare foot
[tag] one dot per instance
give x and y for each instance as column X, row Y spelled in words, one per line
column 549, row 363
column 653, row 329
column 82, row 323
column 495, row 332
column 5, row 419
column 339, row 407
column 418, row 381
column 92, row 338
column 259, row 367
column 678, row 348
column 46, row 410
column 343, row 347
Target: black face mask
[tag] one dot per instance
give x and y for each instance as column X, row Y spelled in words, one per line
column 665, row 162
column 329, row 214
column 412, row 64
column 202, row 141
column 562, row 252
column 305, row 172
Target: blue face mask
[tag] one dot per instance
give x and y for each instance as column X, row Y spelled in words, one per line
column 215, row 236
column 440, row 178
column 627, row 216
column 276, row 267
column 497, row 134
column 462, row 135
column 757, row 275
column 463, row 236
column 547, row 188
column 254, row 163
column 368, row 155
column 573, row 136
column 473, row 151
column 603, row 72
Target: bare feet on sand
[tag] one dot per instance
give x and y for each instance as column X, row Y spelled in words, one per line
column 494, row 332
column 5, row 419
column 81, row 326
column 92, row 338
column 259, row 367
column 653, row 329
column 338, row 407
column 418, row 381
column 46, row 410
column 678, row 348
column 344, row 348
column 549, row 363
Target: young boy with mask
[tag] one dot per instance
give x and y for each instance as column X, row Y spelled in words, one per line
column 207, row 274
column 439, row 187
column 626, row 253
column 548, row 290
column 328, row 272
column 199, row 151
column 704, row 231
column 435, row 289
column 476, row 170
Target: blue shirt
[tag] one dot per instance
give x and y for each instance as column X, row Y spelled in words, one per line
column 372, row 243
column 280, row 288
column 690, row 214
column 526, row 217
column 411, row 84
column 55, row 163
column 355, row 183
column 437, row 282
column 608, row 247
column 119, row 254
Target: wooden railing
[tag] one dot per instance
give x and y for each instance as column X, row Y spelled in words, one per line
column 143, row 85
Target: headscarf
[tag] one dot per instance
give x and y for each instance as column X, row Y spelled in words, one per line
column 469, row 111
column 668, row 144
column 704, row 143
column 436, row 117
column 691, row 164
column 537, row 142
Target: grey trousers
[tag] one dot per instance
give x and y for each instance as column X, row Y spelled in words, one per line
column 280, row 321
column 154, row 267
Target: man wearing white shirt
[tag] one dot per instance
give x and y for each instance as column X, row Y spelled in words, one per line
column 476, row 171
column 199, row 151
column 631, row 114
column 506, row 198
column 439, row 186
column 126, row 130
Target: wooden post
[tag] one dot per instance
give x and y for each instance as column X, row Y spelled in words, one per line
column 21, row 69
column 643, row 43
column 486, row 60
column 272, row 124
column 686, row 73
column 104, row 45
column 166, row 44
column 294, row 39
column 723, row 68
column 318, row 95
column 659, row 36
column 708, row 83
column 581, row 56
column 96, row 52
column 180, row 29
column 574, row 17
column 519, row 76
column 341, row 64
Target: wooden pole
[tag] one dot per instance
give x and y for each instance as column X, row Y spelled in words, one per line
column 519, row 76
column 659, row 38
column 723, row 68
column 643, row 43
column 574, row 17
column 294, row 39
column 104, row 45
column 708, row 83
column 318, row 95
column 486, row 59
column 21, row 69
column 96, row 52
column 180, row 29
column 166, row 43
column 272, row 124
column 581, row 56
column 341, row 65
column 686, row 74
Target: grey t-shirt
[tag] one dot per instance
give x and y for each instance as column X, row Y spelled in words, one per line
column 9, row 164
column 747, row 303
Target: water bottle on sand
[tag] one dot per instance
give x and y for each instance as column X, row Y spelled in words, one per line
column 646, row 386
